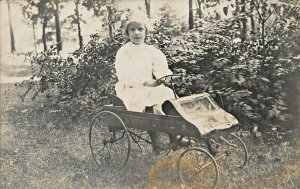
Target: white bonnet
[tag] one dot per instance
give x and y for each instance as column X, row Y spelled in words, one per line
column 139, row 17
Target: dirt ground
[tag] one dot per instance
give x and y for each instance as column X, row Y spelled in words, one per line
column 43, row 148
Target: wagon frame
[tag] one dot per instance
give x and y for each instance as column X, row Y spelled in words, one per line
column 118, row 126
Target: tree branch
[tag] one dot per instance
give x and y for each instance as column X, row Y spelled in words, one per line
column 256, row 7
column 271, row 13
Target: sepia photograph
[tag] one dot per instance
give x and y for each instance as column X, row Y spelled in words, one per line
column 150, row 94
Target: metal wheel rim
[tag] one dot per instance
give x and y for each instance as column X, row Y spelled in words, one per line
column 229, row 154
column 213, row 163
column 126, row 134
column 244, row 149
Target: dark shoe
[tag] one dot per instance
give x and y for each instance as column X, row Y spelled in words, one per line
column 182, row 143
column 159, row 148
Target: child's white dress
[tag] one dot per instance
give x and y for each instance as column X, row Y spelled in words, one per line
column 136, row 64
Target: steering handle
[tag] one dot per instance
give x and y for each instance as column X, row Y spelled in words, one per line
column 171, row 75
column 161, row 80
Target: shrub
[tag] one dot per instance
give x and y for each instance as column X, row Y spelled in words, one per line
column 82, row 81
column 247, row 79
column 242, row 79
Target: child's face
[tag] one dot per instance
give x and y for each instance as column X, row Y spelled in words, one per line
column 136, row 33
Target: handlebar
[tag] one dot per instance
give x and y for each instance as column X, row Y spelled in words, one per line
column 162, row 80
column 171, row 75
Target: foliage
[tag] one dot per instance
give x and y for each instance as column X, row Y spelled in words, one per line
column 245, row 83
column 168, row 23
column 71, row 21
column 248, row 78
column 82, row 81
column 96, row 5
column 41, row 10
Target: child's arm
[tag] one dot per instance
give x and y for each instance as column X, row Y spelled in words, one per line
column 119, row 65
column 152, row 83
column 160, row 65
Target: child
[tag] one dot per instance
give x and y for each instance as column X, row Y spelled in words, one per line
column 138, row 66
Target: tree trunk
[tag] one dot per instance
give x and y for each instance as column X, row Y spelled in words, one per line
column 244, row 22
column 44, row 32
column 34, row 37
column 297, row 113
column 12, row 37
column 191, row 19
column 57, row 26
column 199, row 10
column 263, row 41
column 110, row 20
column 237, row 12
column 253, row 30
column 78, row 25
column 147, row 3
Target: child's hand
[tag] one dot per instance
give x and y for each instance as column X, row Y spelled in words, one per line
column 176, row 77
column 151, row 83
column 171, row 79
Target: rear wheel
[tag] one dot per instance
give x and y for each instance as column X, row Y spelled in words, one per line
column 198, row 169
column 142, row 141
column 145, row 140
column 109, row 140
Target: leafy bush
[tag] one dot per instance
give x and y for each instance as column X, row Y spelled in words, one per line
column 82, row 81
column 243, row 80
column 248, row 79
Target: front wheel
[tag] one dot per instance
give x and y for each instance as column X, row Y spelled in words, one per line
column 198, row 169
column 232, row 152
column 109, row 140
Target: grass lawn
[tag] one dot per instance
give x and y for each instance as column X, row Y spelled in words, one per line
column 46, row 148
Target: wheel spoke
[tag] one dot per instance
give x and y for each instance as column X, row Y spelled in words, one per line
column 234, row 151
column 199, row 177
column 100, row 151
column 196, row 167
column 142, row 142
column 109, row 140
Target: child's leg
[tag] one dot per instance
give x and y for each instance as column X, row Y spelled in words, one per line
column 158, row 141
column 158, row 110
column 157, row 138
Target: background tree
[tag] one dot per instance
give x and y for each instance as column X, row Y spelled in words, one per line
column 74, row 21
column 107, row 13
column 94, row 5
column 45, row 13
column 252, row 20
column 12, row 37
column 243, row 30
column 30, row 13
column 148, row 8
column 110, row 20
column 57, row 26
column 191, row 16
column 199, row 8
column 78, row 19
column 264, row 12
